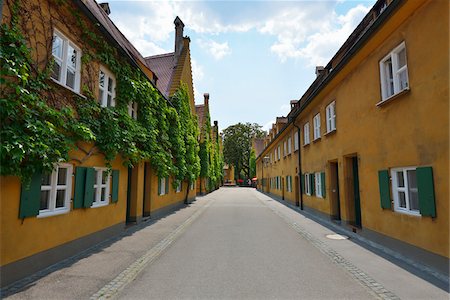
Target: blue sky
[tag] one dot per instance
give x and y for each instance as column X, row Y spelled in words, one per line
column 252, row 57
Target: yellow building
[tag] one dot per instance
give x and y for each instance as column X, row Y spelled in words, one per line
column 371, row 155
column 81, row 203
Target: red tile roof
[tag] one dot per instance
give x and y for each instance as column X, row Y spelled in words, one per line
column 163, row 66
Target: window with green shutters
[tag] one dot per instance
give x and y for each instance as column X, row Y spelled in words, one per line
column 412, row 190
column 163, row 186
column 308, row 184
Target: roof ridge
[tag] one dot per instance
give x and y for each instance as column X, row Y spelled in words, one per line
column 159, row 55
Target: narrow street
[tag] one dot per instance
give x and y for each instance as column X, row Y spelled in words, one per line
column 234, row 243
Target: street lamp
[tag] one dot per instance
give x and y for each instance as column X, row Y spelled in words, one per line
column 265, row 161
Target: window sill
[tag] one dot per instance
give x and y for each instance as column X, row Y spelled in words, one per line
column 395, row 96
column 316, row 140
column 67, row 88
column 305, row 145
column 407, row 212
column 94, row 205
column 53, row 213
column 330, row 132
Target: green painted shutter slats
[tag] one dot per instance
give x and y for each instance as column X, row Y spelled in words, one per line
column 322, row 181
column 80, row 183
column 167, row 185
column 30, row 197
column 383, row 182
column 425, row 187
column 311, row 183
column 115, row 186
column 302, row 182
column 89, row 187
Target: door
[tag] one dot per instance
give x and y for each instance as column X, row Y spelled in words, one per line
column 282, row 188
column 335, row 200
column 357, row 201
column 128, row 212
column 297, row 191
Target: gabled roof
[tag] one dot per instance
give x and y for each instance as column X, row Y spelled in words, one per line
column 163, row 65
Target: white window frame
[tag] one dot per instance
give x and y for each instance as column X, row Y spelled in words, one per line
column 52, row 210
column 104, row 99
column 162, row 186
column 306, row 139
column 62, row 62
column 307, row 184
column 284, row 149
column 179, row 187
column 192, row 185
column 99, row 186
column 288, row 184
column 133, row 110
column 279, row 152
column 296, row 141
column 385, row 78
column 318, row 184
column 289, row 145
column 316, row 122
column 405, row 189
column 331, row 117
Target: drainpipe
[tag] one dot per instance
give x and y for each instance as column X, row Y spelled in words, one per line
column 299, row 166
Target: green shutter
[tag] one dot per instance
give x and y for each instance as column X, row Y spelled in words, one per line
column 159, row 186
column 425, row 188
column 383, row 183
column 89, row 187
column 167, row 185
column 115, row 186
column 30, row 197
column 80, row 182
column 312, row 183
column 322, row 181
column 302, row 182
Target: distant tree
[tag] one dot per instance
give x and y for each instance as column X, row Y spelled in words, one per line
column 237, row 146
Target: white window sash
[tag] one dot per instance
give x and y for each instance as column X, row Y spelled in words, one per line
column 396, row 189
column 99, row 186
column 63, row 62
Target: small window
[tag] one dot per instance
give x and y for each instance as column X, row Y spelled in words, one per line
column 133, row 109
column 307, row 184
column 289, row 145
column 284, row 149
column 404, row 190
column 318, row 185
column 106, row 88
column 317, row 126
column 288, row 184
column 67, row 62
column 101, row 187
column 162, row 186
column 394, row 72
column 279, row 152
column 192, row 185
column 306, row 134
column 295, row 141
column 179, row 186
column 331, row 116
column 56, row 189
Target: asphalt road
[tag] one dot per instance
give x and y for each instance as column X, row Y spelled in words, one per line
column 239, row 249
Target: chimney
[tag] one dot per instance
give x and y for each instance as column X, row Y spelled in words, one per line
column 206, row 96
column 105, row 7
column 179, row 27
column 293, row 103
column 216, row 123
column 319, row 70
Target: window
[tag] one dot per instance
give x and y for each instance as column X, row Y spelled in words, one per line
column 275, row 155
column 394, row 72
column 279, row 153
column 289, row 183
column 317, row 126
column 56, row 189
column 163, row 186
column 289, row 145
column 331, row 116
column 295, row 141
column 132, row 109
column 179, row 186
column 404, row 190
column 101, row 187
column 192, row 185
column 318, row 185
column 306, row 133
column 307, row 185
column 66, row 67
column 284, row 148
column 106, row 88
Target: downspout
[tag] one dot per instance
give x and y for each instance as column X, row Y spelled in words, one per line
column 299, row 166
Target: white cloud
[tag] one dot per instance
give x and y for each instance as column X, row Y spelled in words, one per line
column 267, row 126
column 217, row 50
column 197, row 76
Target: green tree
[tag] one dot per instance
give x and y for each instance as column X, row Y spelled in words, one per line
column 237, row 143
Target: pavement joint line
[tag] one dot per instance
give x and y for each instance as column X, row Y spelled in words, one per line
column 111, row 289
column 375, row 288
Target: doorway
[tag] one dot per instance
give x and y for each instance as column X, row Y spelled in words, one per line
column 335, row 198
column 282, row 188
column 128, row 212
column 353, row 196
column 297, row 192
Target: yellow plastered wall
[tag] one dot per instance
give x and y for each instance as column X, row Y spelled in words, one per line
column 22, row 238
column 286, row 166
column 410, row 130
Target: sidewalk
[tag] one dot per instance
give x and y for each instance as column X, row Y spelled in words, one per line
column 355, row 250
column 81, row 276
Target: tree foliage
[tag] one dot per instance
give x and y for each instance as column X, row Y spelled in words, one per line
column 237, row 146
